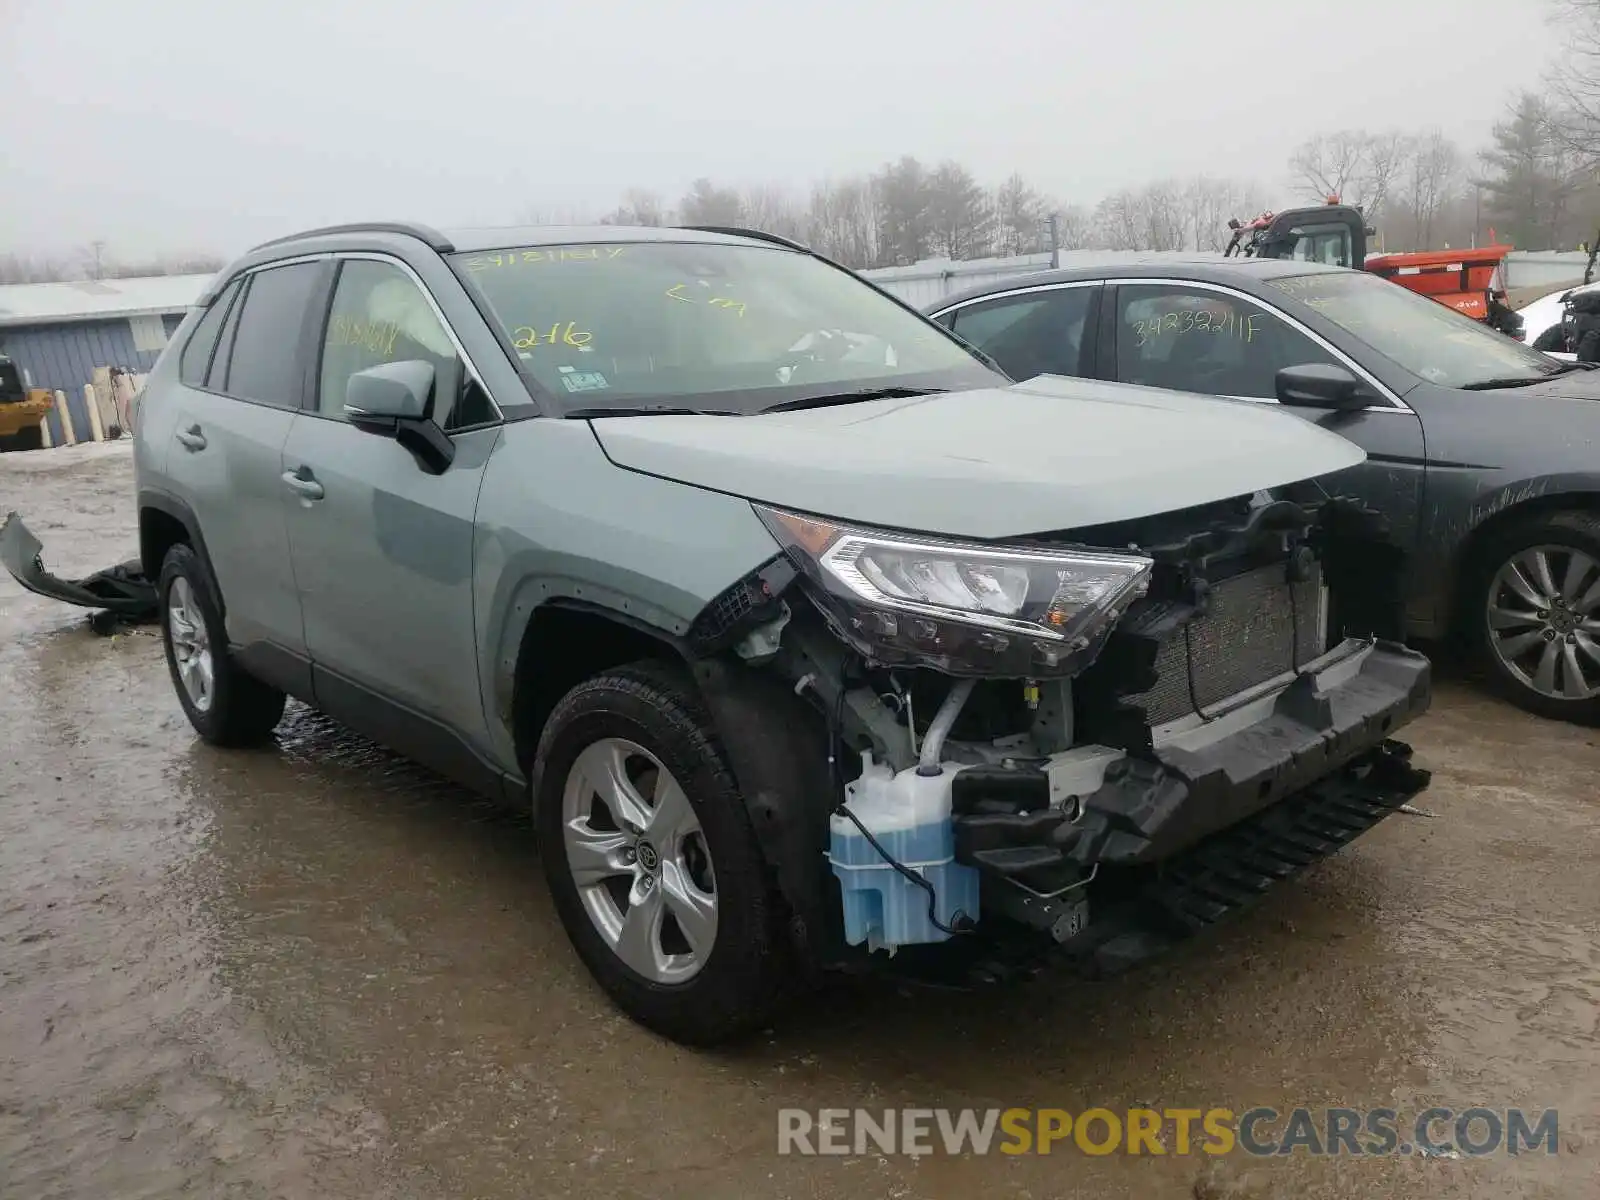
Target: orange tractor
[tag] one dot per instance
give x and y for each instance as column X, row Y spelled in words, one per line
column 1469, row 281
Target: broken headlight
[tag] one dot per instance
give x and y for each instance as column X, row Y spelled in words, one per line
column 964, row 608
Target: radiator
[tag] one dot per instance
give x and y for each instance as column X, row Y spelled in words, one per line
column 1247, row 638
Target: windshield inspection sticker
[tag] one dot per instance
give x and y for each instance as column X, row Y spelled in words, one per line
column 583, row 381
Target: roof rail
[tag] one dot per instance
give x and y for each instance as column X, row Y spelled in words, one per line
column 423, row 233
column 760, row 235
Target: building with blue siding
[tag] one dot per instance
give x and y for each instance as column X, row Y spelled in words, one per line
column 58, row 333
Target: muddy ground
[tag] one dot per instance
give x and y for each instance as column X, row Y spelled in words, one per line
column 317, row 971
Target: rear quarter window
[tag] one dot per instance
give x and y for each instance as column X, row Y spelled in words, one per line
column 202, row 343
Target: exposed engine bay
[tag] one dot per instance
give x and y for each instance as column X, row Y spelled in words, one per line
column 935, row 779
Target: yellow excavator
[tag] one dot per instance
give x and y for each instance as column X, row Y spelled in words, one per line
column 22, row 410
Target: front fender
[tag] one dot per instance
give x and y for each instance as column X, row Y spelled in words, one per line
column 1463, row 507
column 558, row 522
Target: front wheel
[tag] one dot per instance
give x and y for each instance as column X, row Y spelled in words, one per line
column 1535, row 598
column 651, row 860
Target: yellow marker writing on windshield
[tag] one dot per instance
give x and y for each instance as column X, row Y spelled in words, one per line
column 526, row 337
column 549, row 254
column 676, row 292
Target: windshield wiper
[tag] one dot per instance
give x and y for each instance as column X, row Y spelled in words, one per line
column 1489, row 385
column 649, row 410
column 1494, row 385
column 833, row 398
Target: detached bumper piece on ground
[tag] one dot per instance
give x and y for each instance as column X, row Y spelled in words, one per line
column 119, row 593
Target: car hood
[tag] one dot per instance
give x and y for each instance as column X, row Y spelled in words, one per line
column 1574, row 385
column 1049, row 454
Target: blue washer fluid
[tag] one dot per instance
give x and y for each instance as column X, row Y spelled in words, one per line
column 909, row 814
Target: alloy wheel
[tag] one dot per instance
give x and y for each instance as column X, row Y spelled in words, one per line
column 1544, row 621
column 191, row 645
column 639, row 859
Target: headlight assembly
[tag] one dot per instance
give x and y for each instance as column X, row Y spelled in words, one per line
column 965, row 608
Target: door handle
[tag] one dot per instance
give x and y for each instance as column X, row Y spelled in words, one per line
column 302, row 482
column 191, row 438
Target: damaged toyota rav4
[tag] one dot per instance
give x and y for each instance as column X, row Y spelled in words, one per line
column 812, row 641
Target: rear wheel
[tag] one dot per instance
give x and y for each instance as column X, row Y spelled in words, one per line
column 1535, row 611
column 226, row 705
column 648, row 850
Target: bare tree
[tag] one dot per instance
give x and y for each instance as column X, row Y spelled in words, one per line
column 1161, row 205
column 1209, row 203
column 1074, row 225
column 1433, row 167
column 1575, row 81
column 774, row 210
column 534, row 214
column 1329, row 164
column 842, row 222
column 1120, row 221
column 707, row 204
column 1386, row 155
column 638, row 207
column 166, row 264
column 25, row 268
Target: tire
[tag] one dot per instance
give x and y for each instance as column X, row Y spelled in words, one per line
column 1554, row 338
column 234, row 708
column 715, row 992
column 31, row 438
column 1540, row 648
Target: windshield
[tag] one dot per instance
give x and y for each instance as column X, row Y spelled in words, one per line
column 726, row 328
column 1423, row 336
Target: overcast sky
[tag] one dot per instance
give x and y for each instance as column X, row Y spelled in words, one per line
column 210, row 124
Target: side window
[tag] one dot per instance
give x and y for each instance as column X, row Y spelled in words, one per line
column 1324, row 244
column 379, row 315
column 1036, row 333
column 265, row 363
column 203, row 341
column 217, row 376
column 1196, row 340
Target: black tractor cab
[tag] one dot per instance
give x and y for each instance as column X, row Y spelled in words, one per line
column 1334, row 234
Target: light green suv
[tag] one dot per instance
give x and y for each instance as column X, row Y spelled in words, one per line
column 812, row 641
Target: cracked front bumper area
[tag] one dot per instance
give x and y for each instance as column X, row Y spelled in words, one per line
column 1042, row 835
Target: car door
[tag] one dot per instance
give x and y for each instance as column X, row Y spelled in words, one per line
column 241, row 380
column 1032, row 330
column 1224, row 342
column 381, row 545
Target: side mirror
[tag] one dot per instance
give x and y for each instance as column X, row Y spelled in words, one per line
column 379, row 396
column 1321, row 385
column 391, row 400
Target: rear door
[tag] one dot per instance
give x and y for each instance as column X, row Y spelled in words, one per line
column 382, row 549
column 1223, row 342
column 241, row 383
column 1032, row 331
